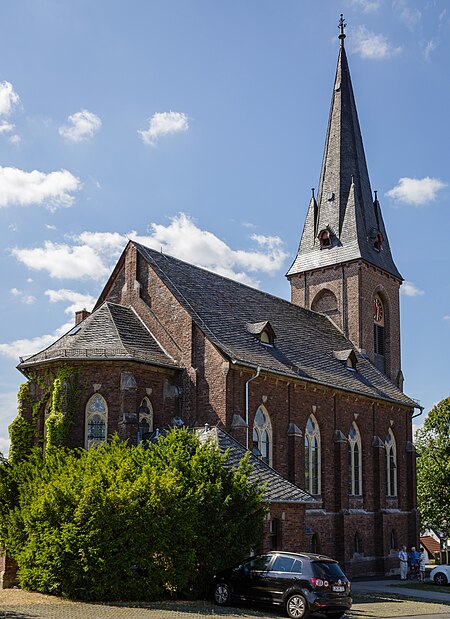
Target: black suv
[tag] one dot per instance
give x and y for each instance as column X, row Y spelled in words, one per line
column 301, row 582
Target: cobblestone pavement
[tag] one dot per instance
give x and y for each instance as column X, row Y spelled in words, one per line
column 17, row 604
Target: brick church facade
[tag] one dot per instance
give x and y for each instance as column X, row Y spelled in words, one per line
column 313, row 386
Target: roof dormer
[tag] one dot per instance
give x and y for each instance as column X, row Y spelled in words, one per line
column 264, row 331
column 348, row 357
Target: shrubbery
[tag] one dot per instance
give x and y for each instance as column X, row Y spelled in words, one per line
column 128, row 523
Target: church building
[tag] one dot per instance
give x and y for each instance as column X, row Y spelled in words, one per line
column 312, row 386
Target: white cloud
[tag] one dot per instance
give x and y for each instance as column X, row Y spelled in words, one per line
column 50, row 226
column 78, row 300
column 28, row 299
column 93, row 254
column 447, row 317
column 6, row 127
column 370, row 45
column 8, row 98
column 416, row 191
column 163, row 123
column 15, row 139
column 63, row 261
column 429, row 48
column 184, row 240
column 25, row 347
column 83, row 125
column 368, row 6
column 409, row 16
column 408, row 289
column 23, row 188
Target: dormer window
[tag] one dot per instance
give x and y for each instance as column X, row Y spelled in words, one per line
column 263, row 331
column 378, row 242
column 348, row 357
column 376, row 238
column 325, row 240
column 264, row 338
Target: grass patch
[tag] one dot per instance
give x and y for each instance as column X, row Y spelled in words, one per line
column 423, row 586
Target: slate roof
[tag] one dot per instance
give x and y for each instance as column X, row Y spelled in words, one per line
column 111, row 332
column 278, row 489
column 305, row 344
column 351, row 214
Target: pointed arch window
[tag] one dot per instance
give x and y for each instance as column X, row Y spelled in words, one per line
column 325, row 240
column 391, row 463
column 314, row 544
column 379, row 333
column 354, row 461
column 393, row 540
column 358, row 547
column 312, row 456
column 262, row 435
column 145, row 419
column 96, row 421
column 378, row 242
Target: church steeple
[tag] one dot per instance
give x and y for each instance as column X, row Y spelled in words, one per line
column 345, row 206
column 344, row 265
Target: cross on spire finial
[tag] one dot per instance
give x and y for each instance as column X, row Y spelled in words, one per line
column 342, row 26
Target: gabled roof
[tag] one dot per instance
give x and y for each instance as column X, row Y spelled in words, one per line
column 344, row 204
column 430, row 544
column 306, row 341
column 277, row 490
column 111, row 332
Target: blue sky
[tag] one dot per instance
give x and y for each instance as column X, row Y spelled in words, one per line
column 198, row 126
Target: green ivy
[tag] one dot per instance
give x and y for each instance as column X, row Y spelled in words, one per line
column 60, row 389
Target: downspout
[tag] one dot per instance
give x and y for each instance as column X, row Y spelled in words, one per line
column 258, row 370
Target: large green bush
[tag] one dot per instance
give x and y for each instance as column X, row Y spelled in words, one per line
column 83, row 519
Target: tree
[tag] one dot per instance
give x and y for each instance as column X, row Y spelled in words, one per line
column 433, row 468
column 120, row 522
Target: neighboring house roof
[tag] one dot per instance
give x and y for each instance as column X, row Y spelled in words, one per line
column 306, row 342
column 277, row 488
column 112, row 332
column 430, row 544
column 345, row 206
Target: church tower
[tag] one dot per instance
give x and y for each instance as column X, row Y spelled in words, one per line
column 344, row 266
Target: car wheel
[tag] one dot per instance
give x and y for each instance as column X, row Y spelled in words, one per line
column 222, row 594
column 296, row 607
column 440, row 579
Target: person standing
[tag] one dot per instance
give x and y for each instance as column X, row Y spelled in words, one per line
column 403, row 556
column 414, row 557
column 422, row 562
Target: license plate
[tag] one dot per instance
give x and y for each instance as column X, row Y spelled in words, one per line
column 338, row 588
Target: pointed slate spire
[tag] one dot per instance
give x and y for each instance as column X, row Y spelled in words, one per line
column 345, row 206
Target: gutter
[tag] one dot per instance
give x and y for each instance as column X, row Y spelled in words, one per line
column 258, row 370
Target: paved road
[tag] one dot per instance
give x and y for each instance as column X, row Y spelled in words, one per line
column 17, row 604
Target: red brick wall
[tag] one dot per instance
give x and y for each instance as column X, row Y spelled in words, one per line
column 107, row 375
column 337, row 516
column 354, row 285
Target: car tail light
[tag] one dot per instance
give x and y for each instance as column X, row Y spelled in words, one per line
column 317, row 582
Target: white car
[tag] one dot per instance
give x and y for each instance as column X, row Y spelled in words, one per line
column 441, row 574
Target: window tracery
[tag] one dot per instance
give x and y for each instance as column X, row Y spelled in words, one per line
column 312, row 456
column 96, row 421
column 262, row 435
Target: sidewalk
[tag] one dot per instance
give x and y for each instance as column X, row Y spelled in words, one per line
column 390, row 586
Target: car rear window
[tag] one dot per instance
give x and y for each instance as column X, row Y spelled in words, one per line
column 327, row 569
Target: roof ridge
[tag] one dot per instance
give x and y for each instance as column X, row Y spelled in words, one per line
column 230, row 279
